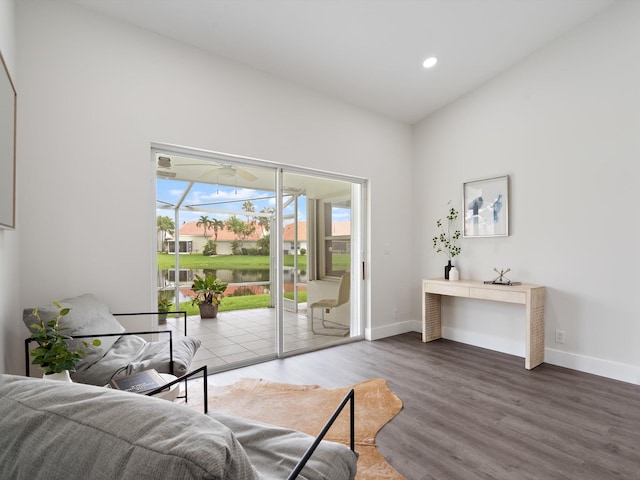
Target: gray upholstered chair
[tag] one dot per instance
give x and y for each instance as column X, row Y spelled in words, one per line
column 328, row 303
column 120, row 352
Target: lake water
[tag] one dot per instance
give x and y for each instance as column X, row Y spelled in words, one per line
column 166, row 279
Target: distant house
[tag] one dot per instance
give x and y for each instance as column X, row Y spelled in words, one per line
column 193, row 240
column 289, row 237
column 338, row 229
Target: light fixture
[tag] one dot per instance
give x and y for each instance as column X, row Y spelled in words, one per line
column 430, row 62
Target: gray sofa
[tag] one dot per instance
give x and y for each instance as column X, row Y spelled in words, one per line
column 56, row 430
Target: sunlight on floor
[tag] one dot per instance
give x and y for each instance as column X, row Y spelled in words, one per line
column 246, row 335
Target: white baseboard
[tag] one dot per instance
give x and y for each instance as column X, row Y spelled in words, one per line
column 595, row 366
column 391, row 330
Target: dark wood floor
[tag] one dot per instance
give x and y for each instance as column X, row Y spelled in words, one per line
column 471, row 413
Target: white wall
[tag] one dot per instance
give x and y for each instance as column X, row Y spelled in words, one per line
column 101, row 91
column 564, row 128
column 11, row 334
column 564, row 124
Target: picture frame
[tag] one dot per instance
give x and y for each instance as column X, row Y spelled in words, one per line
column 8, row 98
column 485, row 204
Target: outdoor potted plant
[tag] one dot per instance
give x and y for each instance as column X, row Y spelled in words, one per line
column 208, row 290
column 53, row 353
column 164, row 305
column 447, row 239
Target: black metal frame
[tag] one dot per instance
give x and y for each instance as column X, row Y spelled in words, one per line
column 27, row 341
column 349, row 398
column 184, row 378
column 182, row 312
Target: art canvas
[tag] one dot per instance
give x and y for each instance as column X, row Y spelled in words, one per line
column 486, row 207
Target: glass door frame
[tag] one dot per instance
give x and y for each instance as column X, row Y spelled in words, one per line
column 360, row 240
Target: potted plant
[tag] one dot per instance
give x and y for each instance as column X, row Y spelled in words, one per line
column 53, row 353
column 164, row 305
column 447, row 239
column 208, row 290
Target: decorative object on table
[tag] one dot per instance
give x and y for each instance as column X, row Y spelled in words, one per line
column 501, row 279
column 208, row 290
column 446, row 241
column 53, row 353
column 454, row 274
column 140, row 382
column 486, row 207
column 164, row 305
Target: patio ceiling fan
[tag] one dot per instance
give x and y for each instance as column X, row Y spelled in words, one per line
column 222, row 170
column 230, row 171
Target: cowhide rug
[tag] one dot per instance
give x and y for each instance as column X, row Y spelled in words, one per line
column 307, row 407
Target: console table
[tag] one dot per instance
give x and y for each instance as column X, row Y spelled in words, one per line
column 531, row 296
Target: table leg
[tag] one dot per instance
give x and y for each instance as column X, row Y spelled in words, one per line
column 534, row 343
column 431, row 321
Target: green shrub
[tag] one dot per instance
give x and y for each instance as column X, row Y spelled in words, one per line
column 210, row 248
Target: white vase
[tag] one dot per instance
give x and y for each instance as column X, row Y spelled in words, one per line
column 454, row 274
column 62, row 376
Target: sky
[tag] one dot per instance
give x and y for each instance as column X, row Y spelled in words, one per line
column 220, row 198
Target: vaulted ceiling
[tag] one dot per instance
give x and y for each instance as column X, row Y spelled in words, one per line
column 368, row 53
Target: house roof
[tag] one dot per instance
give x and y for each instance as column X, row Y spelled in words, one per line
column 288, row 233
column 338, row 229
column 191, row 229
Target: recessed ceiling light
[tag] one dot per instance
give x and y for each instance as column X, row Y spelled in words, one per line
column 430, row 62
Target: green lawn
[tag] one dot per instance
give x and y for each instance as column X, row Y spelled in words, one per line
column 241, row 303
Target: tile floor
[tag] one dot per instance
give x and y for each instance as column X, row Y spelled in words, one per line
column 243, row 336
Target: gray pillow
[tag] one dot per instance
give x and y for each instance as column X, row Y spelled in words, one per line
column 132, row 354
column 88, row 316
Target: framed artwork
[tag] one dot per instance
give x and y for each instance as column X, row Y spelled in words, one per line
column 7, row 148
column 486, row 207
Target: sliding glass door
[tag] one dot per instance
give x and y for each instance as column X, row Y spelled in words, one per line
column 318, row 261
column 288, row 242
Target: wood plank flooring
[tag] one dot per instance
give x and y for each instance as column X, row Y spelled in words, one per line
column 471, row 413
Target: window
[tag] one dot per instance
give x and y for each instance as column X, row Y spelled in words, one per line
column 336, row 237
column 186, row 246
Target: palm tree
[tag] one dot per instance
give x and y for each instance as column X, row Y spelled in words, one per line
column 165, row 226
column 264, row 221
column 205, row 223
column 217, row 226
column 249, row 207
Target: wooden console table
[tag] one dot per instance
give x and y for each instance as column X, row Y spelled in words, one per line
column 531, row 296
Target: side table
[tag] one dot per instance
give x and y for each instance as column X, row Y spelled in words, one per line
column 531, row 296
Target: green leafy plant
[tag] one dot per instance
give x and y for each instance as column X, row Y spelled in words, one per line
column 208, row 289
column 449, row 235
column 165, row 301
column 210, row 248
column 53, row 353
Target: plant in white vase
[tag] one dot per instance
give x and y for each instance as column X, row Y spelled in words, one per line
column 446, row 240
column 53, row 353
